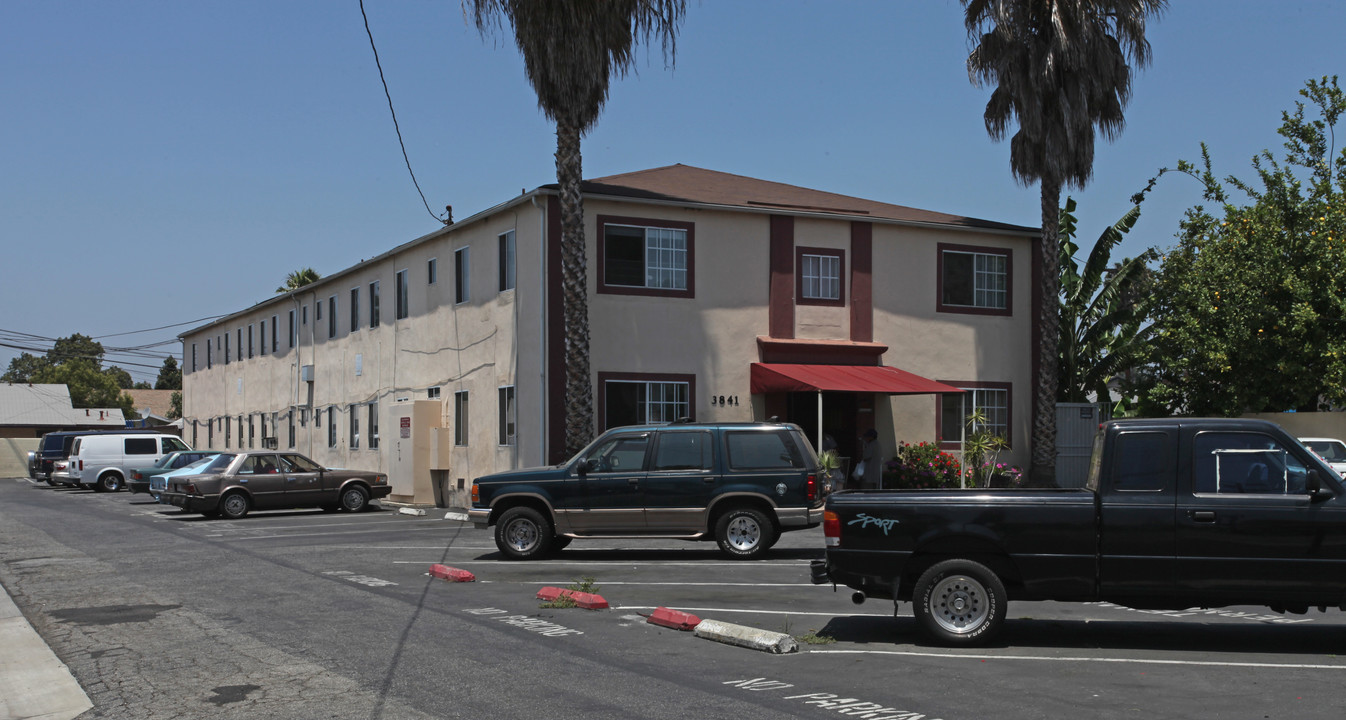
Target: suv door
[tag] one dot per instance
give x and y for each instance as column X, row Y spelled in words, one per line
column 680, row 482
column 610, row 498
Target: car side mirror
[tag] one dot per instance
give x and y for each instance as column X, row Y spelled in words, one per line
column 1314, row 484
column 586, row 466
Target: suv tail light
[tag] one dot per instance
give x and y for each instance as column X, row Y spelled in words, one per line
column 831, row 528
column 476, row 493
column 811, row 488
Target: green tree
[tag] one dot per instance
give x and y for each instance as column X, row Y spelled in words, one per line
column 170, row 375
column 1103, row 310
column 571, row 49
column 1250, row 305
column 297, row 279
column 24, row 367
column 120, row 376
column 89, row 387
column 76, row 347
column 175, row 406
column 1060, row 69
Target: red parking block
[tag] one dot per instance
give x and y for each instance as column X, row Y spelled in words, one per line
column 452, row 574
column 588, row 601
column 675, row 619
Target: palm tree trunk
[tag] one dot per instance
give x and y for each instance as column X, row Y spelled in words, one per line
column 1042, row 471
column 579, row 407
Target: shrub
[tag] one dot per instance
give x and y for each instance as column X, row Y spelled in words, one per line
column 919, row 466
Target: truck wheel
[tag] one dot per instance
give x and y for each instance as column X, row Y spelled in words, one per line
column 959, row 602
column 234, row 506
column 108, row 482
column 744, row 533
column 522, row 533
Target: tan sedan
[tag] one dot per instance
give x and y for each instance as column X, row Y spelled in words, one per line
column 233, row 484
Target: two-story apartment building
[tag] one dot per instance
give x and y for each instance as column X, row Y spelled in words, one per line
column 711, row 296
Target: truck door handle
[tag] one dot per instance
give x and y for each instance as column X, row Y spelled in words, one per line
column 1202, row 515
column 709, row 479
column 633, row 481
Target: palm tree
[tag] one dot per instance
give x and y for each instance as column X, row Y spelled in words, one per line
column 1060, row 69
column 1102, row 310
column 297, row 279
column 571, row 48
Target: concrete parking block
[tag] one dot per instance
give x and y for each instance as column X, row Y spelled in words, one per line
column 748, row 637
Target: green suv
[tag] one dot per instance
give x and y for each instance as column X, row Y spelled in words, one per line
column 741, row 484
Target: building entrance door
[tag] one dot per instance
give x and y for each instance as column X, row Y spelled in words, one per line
column 840, row 410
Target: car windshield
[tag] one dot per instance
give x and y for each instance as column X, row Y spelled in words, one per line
column 1330, row 450
column 199, row 463
column 164, row 461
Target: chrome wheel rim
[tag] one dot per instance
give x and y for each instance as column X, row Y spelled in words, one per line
column 959, row 604
column 235, row 505
column 744, row 533
column 521, row 535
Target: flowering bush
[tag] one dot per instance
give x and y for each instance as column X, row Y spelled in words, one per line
column 1003, row 475
column 922, row 465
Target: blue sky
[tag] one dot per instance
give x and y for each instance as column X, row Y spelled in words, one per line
column 164, row 162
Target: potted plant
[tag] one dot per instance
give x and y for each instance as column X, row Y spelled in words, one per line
column 830, row 463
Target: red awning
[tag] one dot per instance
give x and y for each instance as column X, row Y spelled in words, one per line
column 842, row 378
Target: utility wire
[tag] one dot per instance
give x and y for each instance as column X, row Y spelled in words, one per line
column 388, row 95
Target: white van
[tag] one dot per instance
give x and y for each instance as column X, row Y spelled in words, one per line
column 103, row 462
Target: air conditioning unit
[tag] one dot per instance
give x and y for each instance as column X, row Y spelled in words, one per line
column 269, row 443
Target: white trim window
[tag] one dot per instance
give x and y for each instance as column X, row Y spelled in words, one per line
column 646, row 257
column 645, row 402
column 976, row 280
column 821, row 277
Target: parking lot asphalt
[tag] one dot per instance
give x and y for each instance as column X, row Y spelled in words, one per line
column 1053, row 660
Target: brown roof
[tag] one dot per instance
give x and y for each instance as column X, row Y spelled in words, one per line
column 684, row 183
column 158, row 401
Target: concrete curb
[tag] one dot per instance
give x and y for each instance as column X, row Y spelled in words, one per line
column 742, row 636
column 34, row 683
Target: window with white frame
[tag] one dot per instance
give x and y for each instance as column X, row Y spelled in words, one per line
column 400, row 299
column 355, row 429
column 974, row 280
column 461, row 292
column 990, row 400
column 640, row 402
column 507, row 414
column 818, row 276
column 506, row 247
column 373, row 425
column 432, row 393
column 460, row 418
column 645, row 257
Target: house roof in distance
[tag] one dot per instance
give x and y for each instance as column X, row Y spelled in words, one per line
column 684, row 183
column 48, row 405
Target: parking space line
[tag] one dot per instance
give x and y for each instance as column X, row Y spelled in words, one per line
column 554, row 563
column 751, row 612
column 333, row 532
column 1131, row 661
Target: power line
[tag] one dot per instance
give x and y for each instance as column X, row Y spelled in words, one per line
column 388, row 95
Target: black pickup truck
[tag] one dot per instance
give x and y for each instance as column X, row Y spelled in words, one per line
column 1177, row 513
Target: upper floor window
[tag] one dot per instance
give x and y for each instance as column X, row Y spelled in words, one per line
column 818, row 278
column 275, row 333
column 506, row 243
column 250, row 329
column 645, row 257
column 226, row 348
column 374, row 304
column 432, row 271
column 240, row 344
column 331, row 317
column 355, row 309
column 194, row 357
column 990, row 400
column 974, row 280
column 403, row 308
column 461, row 292
column 261, row 338
column 294, row 331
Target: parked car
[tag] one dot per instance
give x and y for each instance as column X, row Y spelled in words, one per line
column 60, row 474
column 233, row 484
column 740, row 484
column 139, row 480
column 103, row 462
column 1330, row 449
column 56, row 445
